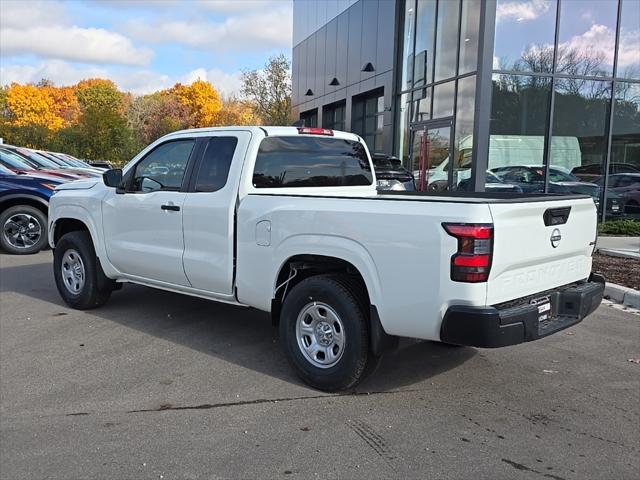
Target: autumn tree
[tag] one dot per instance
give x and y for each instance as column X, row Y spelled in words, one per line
column 102, row 131
column 269, row 90
column 203, row 102
column 237, row 112
column 154, row 115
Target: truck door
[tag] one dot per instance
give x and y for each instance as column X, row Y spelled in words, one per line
column 143, row 221
column 209, row 212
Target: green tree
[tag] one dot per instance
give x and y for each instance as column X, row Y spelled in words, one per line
column 102, row 131
column 269, row 90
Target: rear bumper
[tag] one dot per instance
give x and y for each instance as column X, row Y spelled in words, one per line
column 519, row 321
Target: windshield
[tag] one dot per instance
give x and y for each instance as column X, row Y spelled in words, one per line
column 37, row 159
column 11, row 160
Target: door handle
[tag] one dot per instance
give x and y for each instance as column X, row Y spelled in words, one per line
column 173, row 208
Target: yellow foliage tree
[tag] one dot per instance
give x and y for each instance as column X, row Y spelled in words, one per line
column 32, row 106
column 65, row 103
column 203, row 101
column 236, row 112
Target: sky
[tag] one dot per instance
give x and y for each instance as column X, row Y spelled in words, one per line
column 586, row 25
column 142, row 45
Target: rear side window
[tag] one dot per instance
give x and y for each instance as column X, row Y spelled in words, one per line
column 216, row 161
column 311, row 162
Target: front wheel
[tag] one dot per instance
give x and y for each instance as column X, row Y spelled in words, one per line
column 75, row 268
column 324, row 327
column 24, row 230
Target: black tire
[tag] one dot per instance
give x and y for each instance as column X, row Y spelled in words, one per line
column 89, row 295
column 29, row 218
column 341, row 295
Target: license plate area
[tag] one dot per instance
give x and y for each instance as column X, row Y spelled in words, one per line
column 545, row 308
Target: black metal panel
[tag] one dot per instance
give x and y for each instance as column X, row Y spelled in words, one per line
column 311, row 66
column 369, row 35
column 320, row 72
column 341, row 53
column 386, row 40
column 330, row 56
column 302, row 72
column 354, row 50
column 295, row 64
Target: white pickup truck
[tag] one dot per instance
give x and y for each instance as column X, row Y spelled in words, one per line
column 288, row 220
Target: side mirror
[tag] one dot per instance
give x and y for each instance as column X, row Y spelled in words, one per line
column 112, row 178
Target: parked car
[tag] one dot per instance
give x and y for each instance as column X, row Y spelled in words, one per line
column 65, row 162
column 531, row 180
column 20, row 164
column 24, row 202
column 295, row 226
column 492, row 184
column 627, row 187
column 592, row 173
column 391, row 175
column 100, row 164
column 43, row 162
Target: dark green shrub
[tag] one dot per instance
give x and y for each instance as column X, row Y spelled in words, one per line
column 630, row 228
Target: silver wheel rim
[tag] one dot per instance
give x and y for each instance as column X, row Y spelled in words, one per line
column 320, row 334
column 73, row 273
column 22, row 230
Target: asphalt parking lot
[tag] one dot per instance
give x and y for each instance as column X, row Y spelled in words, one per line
column 156, row 385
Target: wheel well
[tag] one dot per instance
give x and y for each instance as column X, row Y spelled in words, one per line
column 66, row 225
column 299, row 267
column 12, row 202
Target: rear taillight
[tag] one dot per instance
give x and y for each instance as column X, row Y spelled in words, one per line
column 472, row 262
column 315, row 131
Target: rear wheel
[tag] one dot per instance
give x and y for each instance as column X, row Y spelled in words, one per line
column 324, row 327
column 76, row 271
column 24, row 230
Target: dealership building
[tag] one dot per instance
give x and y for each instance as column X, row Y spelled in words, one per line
column 456, row 87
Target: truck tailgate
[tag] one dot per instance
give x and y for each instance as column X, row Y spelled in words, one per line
column 536, row 248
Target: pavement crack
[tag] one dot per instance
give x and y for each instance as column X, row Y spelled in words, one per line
column 208, row 406
column 524, row 468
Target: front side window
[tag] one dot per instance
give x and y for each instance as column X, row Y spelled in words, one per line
column 308, row 161
column 216, row 161
column 163, row 168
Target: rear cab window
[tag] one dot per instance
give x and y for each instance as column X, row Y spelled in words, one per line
column 311, row 161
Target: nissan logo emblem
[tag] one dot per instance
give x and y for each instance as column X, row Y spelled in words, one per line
column 555, row 238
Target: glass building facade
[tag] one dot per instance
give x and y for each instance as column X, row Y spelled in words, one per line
column 533, row 95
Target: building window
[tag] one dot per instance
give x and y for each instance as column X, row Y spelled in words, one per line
column 519, row 113
column 469, row 33
column 333, row 116
column 628, row 56
column 368, row 118
column 524, row 43
column 310, row 118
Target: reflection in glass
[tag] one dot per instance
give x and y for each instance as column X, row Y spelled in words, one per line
column 404, row 108
column 586, row 44
column 425, row 28
column 469, row 36
column 446, row 40
column 580, row 118
column 422, row 105
column 624, row 165
column 367, row 119
column 463, row 145
column 429, row 153
column 407, row 44
column 310, row 161
column 519, row 112
column 629, row 44
column 443, row 99
column 525, row 35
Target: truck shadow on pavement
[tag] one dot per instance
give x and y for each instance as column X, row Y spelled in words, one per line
column 242, row 336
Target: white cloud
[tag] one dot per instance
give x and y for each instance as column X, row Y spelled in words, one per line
column 522, row 10
column 90, row 45
column 136, row 81
column 225, row 83
column 252, row 31
column 599, row 40
column 25, row 14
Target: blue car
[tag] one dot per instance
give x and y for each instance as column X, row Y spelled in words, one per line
column 24, row 203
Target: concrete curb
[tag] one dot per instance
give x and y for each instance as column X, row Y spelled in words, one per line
column 624, row 295
column 618, row 253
